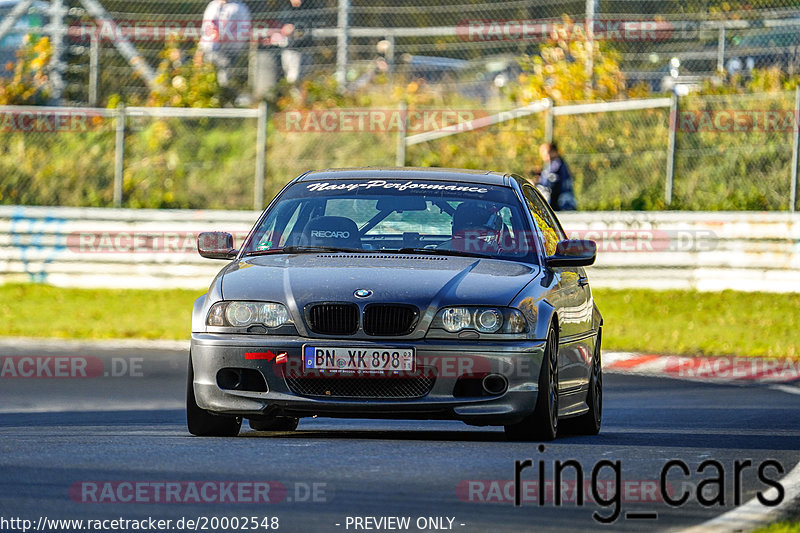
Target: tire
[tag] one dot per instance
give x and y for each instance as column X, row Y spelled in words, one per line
column 280, row 423
column 542, row 424
column 203, row 423
column 590, row 422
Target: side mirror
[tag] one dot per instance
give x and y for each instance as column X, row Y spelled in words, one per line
column 573, row 253
column 216, row 245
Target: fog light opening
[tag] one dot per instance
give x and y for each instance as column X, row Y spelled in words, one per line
column 495, row 384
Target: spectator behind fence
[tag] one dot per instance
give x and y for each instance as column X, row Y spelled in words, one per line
column 227, row 30
column 556, row 179
column 294, row 37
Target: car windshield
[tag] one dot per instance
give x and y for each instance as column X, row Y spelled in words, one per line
column 406, row 216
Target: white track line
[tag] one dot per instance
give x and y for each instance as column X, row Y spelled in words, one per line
column 786, row 388
column 35, row 343
column 753, row 514
column 90, row 406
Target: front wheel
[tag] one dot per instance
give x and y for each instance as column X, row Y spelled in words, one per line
column 543, row 423
column 204, row 423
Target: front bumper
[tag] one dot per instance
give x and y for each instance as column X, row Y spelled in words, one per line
column 456, row 368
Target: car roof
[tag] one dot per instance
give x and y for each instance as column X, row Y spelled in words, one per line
column 483, row 177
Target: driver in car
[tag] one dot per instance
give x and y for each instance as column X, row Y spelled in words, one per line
column 476, row 228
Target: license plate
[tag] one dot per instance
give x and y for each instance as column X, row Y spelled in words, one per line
column 363, row 359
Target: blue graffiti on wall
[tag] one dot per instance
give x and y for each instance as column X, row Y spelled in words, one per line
column 39, row 239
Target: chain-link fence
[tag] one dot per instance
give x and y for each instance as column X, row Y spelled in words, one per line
column 56, row 156
column 111, row 47
column 619, row 158
column 107, row 51
column 735, row 152
column 85, row 157
column 190, row 161
column 728, row 151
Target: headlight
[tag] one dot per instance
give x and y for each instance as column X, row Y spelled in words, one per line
column 482, row 319
column 244, row 314
column 241, row 314
column 488, row 320
column 456, row 318
column 273, row 315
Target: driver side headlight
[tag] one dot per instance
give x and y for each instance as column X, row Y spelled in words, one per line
column 244, row 314
column 488, row 320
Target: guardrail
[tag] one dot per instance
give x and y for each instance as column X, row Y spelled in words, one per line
column 93, row 247
column 707, row 251
column 97, row 247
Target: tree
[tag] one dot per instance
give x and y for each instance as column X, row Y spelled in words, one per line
column 29, row 83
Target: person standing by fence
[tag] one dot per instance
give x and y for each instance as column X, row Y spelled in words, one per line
column 227, row 31
column 556, row 179
column 294, row 39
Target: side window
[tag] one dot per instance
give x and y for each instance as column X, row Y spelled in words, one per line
column 543, row 219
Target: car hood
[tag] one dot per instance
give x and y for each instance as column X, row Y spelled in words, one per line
column 422, row 280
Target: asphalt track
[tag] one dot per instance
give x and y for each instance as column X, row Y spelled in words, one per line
column 58, row 433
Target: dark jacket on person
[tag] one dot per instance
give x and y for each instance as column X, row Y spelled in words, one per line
column 304, row 18
column 558, row 179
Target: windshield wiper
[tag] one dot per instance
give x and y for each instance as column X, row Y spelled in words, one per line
column 301, row 250
column 438, row 251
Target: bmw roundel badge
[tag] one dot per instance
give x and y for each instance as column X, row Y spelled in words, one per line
column 363, row 293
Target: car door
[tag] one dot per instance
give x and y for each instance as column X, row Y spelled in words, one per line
column 571, row 298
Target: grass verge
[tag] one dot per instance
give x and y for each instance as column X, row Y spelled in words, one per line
column 30, row 310
column 674, row 322
column 701, row 323
column 792, row 525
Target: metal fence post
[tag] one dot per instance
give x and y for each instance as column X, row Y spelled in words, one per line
column 342, row 34
column 795, row 150
column 261, row 158
column 591, row 7
column 57, row 65
column 119, row 155
column 94, row 71
column 673, row 129
column 400, row 156
column 549, row 121
column 721, row 49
